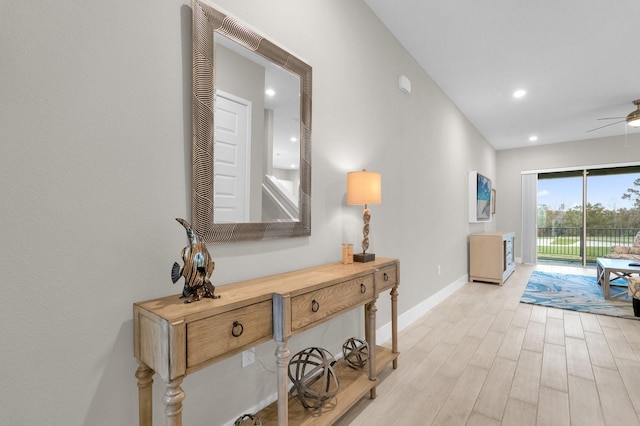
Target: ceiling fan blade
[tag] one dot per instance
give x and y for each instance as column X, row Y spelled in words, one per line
column 610, row 118
column 606, row 125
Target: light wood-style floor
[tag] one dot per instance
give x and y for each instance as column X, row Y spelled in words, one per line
column 483, row 358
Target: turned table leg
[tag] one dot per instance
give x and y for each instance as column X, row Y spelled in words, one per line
column 281, row 333
column 144, row 374
column 282, row 361
column 173, row 398
column 394, row 323
column 371, row 310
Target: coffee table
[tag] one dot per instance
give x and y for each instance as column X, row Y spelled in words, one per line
column 620, row 268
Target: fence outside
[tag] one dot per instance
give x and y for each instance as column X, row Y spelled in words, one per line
column 565, row 243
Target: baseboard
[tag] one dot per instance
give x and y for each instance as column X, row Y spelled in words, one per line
column 405, row 320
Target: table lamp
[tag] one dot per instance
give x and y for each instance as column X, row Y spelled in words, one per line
column 364, row 188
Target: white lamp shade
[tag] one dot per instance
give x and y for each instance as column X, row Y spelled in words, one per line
column 364, row 188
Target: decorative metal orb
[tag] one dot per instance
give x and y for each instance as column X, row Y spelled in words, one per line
column 248, row 420
column 356, row 352
column 314, row 381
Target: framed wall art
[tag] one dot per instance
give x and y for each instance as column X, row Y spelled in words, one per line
column 480, row 198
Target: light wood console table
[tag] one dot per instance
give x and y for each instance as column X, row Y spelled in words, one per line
column 174, row 339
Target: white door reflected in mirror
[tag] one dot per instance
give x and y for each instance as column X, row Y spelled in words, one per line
column 232, row 160
column 257, row 151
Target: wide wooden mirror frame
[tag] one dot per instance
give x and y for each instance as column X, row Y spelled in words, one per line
column 206, row 22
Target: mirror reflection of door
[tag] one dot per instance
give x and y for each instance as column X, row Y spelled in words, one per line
column 273, row 170
column 232, row 158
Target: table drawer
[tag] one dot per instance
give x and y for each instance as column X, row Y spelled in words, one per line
column 386, row 277
column 314, row 306
column 221, row 334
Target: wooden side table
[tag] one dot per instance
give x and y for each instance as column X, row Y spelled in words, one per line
column 175, row 339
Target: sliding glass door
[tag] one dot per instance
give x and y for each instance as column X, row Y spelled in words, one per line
column 582, row 213
column 560, row 216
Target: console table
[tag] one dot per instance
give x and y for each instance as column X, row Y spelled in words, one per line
column 174, row 339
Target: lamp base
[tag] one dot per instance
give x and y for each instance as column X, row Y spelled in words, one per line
column 364, row 257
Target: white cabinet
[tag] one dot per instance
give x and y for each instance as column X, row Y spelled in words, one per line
column 491, row 256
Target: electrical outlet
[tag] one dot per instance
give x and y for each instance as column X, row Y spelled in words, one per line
column 438, row 269
column 248, row 357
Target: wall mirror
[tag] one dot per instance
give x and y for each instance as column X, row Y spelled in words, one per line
column 251, row 143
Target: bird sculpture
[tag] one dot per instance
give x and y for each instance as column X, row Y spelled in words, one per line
column 196, row 269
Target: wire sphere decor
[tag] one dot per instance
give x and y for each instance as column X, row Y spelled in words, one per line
column 313, row 378
column 248, row 420
column 356, row 352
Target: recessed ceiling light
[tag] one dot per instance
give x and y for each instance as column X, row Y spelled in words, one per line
column 294, row 139
column 519, row 93
column 533, row 138
column 270, row 92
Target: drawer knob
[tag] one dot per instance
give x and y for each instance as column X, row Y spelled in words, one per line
column 385, row 276
column 315, row 306
column 363, row 288
column 237, row 329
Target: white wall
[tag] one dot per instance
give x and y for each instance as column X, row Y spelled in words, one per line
column 511, row 162
column 95, row 166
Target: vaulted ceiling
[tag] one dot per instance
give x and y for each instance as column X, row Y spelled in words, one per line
column 577, row 60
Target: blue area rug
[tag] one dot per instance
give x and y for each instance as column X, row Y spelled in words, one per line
column 577, row 293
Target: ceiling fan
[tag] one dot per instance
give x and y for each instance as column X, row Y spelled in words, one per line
column 633, row 119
